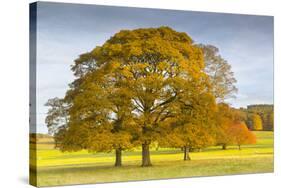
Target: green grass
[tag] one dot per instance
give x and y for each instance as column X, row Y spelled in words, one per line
column 57, row 168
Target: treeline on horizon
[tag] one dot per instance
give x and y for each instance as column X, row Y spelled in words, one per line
column 147, row 86
column 259, row 117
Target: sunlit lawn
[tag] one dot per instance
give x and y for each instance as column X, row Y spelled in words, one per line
column 57, row 168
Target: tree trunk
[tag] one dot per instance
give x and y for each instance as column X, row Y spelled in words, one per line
column 145, row 155
column 157, row 148
column 186, row 154
column 239, row 147
column 118, row 155
column 224, row 146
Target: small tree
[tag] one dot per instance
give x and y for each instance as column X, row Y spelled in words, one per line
column 225, row 117
column 222, row 134
column 241, row 135
column 257, row 122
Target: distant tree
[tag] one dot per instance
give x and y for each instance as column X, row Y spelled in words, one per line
column 260, row 108
column 265, row 111
column 220, row 73
column 257, row 122
column 271, row 121
column 267, row 121
column 241, row 135
column 57, row 118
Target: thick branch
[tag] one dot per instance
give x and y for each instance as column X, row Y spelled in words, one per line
column 171, row 99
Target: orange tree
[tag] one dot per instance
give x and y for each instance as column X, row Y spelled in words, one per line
column 225, row 117
column 240, row 134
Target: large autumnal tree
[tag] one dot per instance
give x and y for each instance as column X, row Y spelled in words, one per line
column 160, row 67
column 129, row 87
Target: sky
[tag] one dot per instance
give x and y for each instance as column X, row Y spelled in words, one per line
column 66, row 30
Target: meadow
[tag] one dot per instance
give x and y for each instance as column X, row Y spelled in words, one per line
column 58, row 168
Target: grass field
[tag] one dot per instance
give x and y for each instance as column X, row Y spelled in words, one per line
column 57, row 168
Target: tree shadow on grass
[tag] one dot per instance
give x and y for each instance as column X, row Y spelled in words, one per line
column 85, row 167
